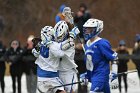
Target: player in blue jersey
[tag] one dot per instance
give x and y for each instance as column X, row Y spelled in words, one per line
column 98, row 54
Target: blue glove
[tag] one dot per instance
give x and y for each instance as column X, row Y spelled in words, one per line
column 113, row 76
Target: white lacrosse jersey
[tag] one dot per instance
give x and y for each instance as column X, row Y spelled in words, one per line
column 67, row 61
column 52, row 62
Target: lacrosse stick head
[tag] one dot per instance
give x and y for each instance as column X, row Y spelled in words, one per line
column 68, row 15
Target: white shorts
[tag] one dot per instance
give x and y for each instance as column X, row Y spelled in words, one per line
column 46, row 85
column 67, row 77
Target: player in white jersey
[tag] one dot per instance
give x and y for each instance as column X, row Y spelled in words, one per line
column 49, row 53
column 67, row 67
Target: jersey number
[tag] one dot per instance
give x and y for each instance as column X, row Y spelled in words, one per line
column 89, row 63
column 44, row 51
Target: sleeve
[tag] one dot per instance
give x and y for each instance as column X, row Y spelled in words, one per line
column 57, row 18
column 56, row 50
column 106, row 50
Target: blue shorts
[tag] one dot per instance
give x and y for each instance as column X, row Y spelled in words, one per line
column 100, row 87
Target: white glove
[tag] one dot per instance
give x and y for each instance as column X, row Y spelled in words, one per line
column 114, row 76
column 113, row 81
column 35, row 52
column 67, row 44
column 74, row 32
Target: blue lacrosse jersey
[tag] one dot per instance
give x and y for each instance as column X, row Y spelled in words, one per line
column 98, row 54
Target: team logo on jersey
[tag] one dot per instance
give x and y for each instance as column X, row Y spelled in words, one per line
column 95, row 46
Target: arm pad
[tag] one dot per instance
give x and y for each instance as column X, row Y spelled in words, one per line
column 67, row 44
column 115, row 66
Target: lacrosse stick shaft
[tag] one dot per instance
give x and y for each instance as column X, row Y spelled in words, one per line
column 127, row 72
column 82, row 82
column 81, row 42
column 67, row 84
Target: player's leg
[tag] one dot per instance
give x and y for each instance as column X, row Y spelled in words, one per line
column 48, row 84
column 68, row 77
column 125, row 81
column 107, row 87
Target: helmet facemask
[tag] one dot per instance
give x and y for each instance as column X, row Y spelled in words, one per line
column 61, row 31
column 47, row 34
column 61, row 37
column 92, row 28
column 90, row 32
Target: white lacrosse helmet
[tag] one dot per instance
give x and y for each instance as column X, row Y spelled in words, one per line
column 47, row 34
column 61, row 31
column 93, row 23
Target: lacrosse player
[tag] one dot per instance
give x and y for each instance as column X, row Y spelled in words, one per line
column 98, row 53
column 67, row 67
column 49, row 53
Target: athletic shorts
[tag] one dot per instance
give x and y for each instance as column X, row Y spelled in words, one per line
column 46, row 85
column 68, row 77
